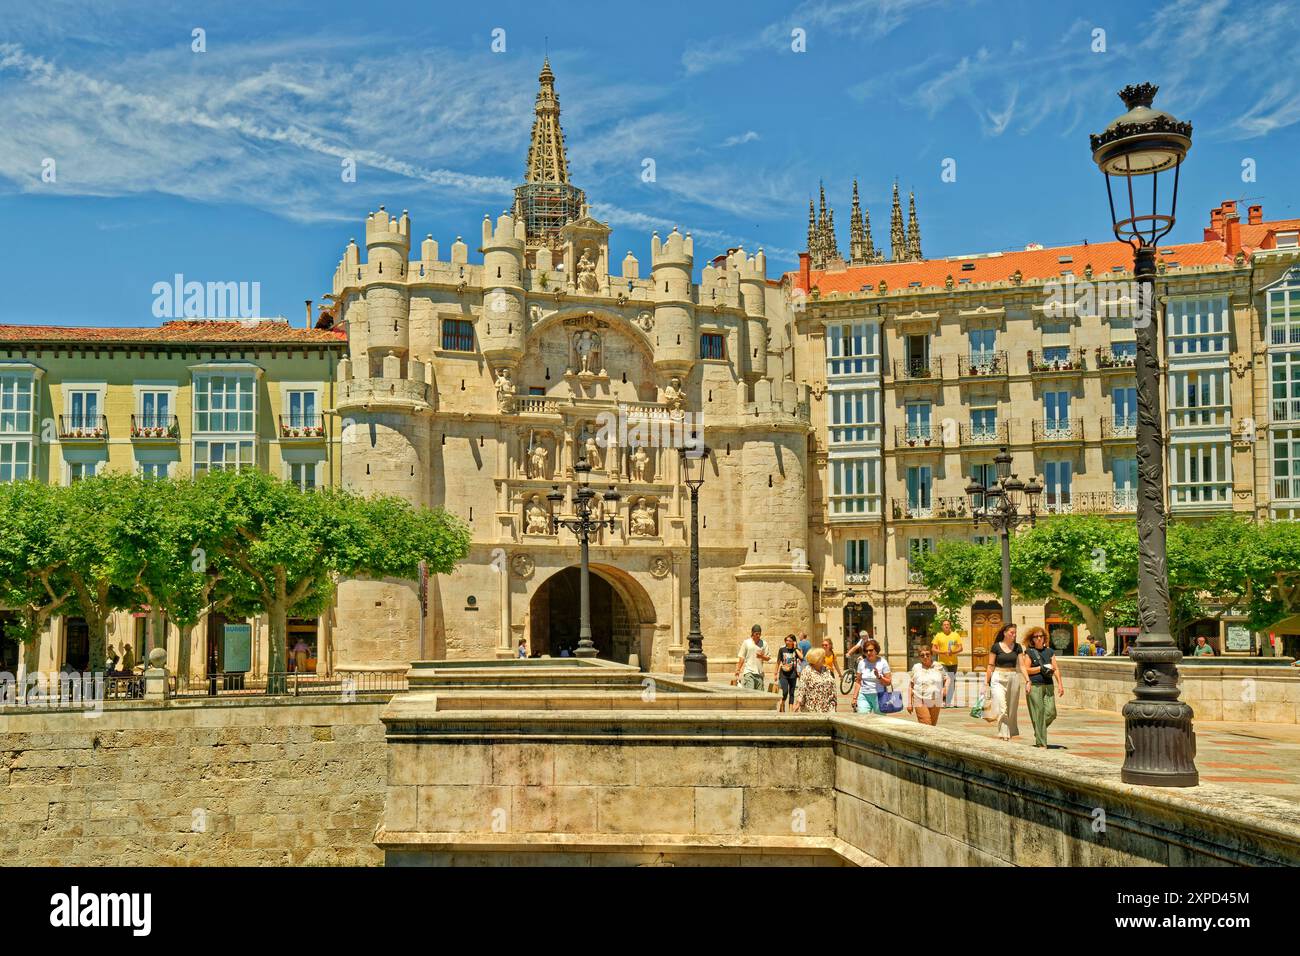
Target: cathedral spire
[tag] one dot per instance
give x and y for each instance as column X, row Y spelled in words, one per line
column 860, row 251
column 812, row 231
column 832, row 244
column 547, row 162
column 897, row 238
column 913, row 229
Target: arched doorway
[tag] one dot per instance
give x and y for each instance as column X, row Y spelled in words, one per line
column 622, row 616
column 985, row 619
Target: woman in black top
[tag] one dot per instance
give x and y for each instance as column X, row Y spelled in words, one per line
column 1005, row 675
column 787, row 669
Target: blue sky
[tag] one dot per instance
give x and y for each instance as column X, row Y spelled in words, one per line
column 225, row 165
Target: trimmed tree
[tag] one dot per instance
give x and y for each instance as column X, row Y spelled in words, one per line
column 33, row 571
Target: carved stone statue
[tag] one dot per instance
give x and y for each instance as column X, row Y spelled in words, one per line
column 586, row 346
column 674, row 397
column 505, row 392
column 591, row 447
column 537, row 456
column 639, row 461
column 539, row 520
column 644, row 524
column 587, row 280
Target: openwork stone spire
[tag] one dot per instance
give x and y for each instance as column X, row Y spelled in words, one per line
column 897, row 237
column 913, row 230
column 832, row 244
column 861, row 248
column 812, row 230
column 547, row 162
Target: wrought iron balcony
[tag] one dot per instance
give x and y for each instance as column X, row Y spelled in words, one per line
column 1055, row 361
column 913, row 370
column 1105, row 502
column 1056, row 503
column 1108, row 360
column 302, row 427
column 83, row 428
column 903, row 510
column 982, row 365
column 954, row 506
column 155, row 428
column 1119, row 429
column 995, row 434
column 918, row 437
column 1058, row 430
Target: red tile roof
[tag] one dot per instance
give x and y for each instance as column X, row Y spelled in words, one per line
column 1038, row 263
column 186, row 331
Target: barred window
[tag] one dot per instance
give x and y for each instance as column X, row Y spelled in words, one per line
column 458, row 335
column 713, row 346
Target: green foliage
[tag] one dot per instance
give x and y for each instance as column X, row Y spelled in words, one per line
column 33, row 574
column 955, row 571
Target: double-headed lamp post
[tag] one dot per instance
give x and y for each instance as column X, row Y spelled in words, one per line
column 583, row 524
column 998, row 506
column 695, row 666
column 1160, row 745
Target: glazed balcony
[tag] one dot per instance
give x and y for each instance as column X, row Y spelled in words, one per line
column 302, row 428
column 1056, row 430
column 1286, row 409
column 89, row 428
column 918, row 438
column 1108, row 360
column 983, row 435
column 981, row 365
column 1053, row 362
column 166, row 428
column 1122, row 429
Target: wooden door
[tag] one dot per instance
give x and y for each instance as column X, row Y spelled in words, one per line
column 984, row 624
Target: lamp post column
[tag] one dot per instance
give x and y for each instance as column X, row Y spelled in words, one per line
column 1006, row 568
column 1160, row 748
column 585, row 646
column 695, row 664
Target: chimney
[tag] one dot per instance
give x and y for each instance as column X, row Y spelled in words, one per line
column 1255, row 215
column 805, row 275
column 1232, row 233
column 308, row 301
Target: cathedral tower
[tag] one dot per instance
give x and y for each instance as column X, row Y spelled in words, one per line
column 546, row 200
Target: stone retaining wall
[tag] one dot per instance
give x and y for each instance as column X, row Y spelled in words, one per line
column 235, row 782
column 1227, row 691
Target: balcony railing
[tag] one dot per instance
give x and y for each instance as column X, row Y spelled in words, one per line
column 1119, row 429
column 1286, row 409
column 83, row 428
column 1110, row 360
column 903, row 510
column 155, row 427
column 1286, row 489
column 982, row 365
column 1052, row 363
column 984, row 434
column 1284, row 335
column 1058, row 430
column 1056, row 503
column 918, row 370
column 302, row 427
column 953, row 506
column 918, row 436
column 1105, row 502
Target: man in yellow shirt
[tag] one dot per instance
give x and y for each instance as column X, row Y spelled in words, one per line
column 947, row 645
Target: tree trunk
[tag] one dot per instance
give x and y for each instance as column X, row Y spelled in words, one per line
column 183, row 654
column 277, row 620
column 98, row 627
column 157, row 633
column 1093, row 622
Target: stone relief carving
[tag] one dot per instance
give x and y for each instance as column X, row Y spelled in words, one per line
column 586, row 352
column 646, row 321
column 537, row 517
column 522, row 565
column 645, row 523
column 659, row 566
column 674, row 397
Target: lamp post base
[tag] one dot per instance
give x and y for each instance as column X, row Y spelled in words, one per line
column 695, row 665
column 589, row 650
column 1159, row 744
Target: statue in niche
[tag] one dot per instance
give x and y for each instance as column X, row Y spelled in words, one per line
column 643, row 519
column 591, row 448
column 505, row 392
column 586, row 346
column 537, row 456
column 674, row 397
column 639, row 461
column 539, row 520
column 587, row 280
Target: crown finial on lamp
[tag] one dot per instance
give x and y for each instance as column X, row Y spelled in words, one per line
column 1139, row 94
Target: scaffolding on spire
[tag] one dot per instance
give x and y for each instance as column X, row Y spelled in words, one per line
column 547, row 200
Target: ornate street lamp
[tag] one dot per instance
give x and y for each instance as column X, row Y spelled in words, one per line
column 695, row 666
column 998, row 506
column 1160, row 745
column 583, row 524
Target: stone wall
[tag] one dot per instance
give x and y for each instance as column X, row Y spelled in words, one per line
column 1218, row 691
column 251, row 783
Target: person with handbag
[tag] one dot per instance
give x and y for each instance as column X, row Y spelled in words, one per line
column 788, row 661
column 1044, row 676
column 1005, row 675
column 928, row 687
column 815, row 693
column 874, row 678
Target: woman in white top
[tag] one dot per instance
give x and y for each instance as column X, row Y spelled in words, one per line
column 873, row 677
column 928, row 687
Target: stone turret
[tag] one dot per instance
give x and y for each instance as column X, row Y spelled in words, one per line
column 387, row 299
column 752, row 271
column 502, row 327
column 671, row 264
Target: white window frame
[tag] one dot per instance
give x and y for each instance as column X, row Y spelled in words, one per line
column 861, row 476
column 1189, row 485
column 288, row 391
column 1197, row 325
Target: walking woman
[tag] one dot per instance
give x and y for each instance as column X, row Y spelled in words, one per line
column 928, row 688
column 788, row 660
column 873, row 677
column 816, row 692
column 1044, row 676
column 1005, row 675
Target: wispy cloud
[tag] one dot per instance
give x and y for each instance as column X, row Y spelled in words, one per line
column 748, row 136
